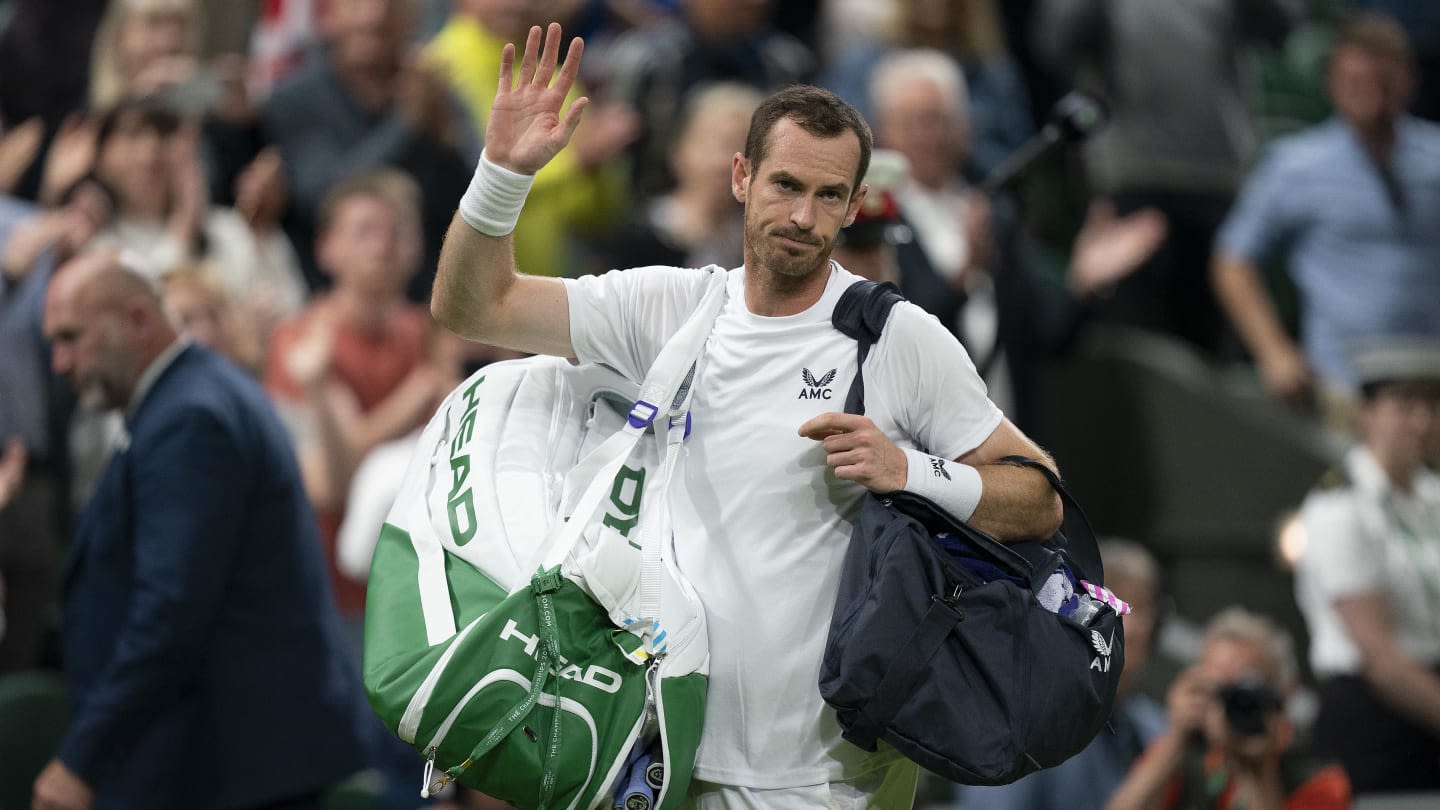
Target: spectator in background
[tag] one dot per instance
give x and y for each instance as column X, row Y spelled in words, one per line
column 654, row 69
column 699, row 222
column 354, row 369
column 152, row 48
column 147, row 157
column 1086, row 780
column 1368, row 581
column 199, row 307
column 202, row 656
column 44, row 69
column 1179, row 136
column 966, row 264
column 1421, row 21
column 34, row 414
column 1352, row 203
column 583, row 190
column 968, row 33
column 361, row 102
column 1229, row 743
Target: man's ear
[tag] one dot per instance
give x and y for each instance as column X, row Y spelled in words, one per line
column 853, row 210
column 740, row 176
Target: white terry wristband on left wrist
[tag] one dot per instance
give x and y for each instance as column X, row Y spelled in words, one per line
column 952, row 486
column 492, row 203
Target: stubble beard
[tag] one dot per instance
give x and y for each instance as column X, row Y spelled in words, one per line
column 784, row 267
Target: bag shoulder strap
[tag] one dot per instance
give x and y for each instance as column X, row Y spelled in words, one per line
column 1075, row 536
column 861, row 314
column 664, row 398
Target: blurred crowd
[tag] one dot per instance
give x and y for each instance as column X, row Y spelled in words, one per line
column 283, row 173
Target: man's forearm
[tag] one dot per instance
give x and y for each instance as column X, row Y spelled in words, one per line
column 1017, row 504
column 474, row 271
column 1247, row 303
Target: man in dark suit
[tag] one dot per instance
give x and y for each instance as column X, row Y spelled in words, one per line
column 200, row 643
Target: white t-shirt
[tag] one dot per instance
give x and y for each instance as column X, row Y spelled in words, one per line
column 761, row 523
column 1370, row 538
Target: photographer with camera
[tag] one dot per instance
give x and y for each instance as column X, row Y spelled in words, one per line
column 1229, row 744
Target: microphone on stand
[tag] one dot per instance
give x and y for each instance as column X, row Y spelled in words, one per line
column 1073, row 119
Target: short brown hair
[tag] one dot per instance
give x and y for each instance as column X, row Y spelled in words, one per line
column 1375, row 34
column 818, row 112
column 391, row 186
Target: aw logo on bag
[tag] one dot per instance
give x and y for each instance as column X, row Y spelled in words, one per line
column 1102, row 646
column 815, row 389
column 461, row 501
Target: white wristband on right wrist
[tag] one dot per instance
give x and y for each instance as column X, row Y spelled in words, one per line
column 492, row 203
column 952, row 486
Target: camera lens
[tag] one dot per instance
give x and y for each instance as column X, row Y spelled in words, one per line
column 1247, row 704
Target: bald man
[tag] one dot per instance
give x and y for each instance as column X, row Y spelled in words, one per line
column 201, row 648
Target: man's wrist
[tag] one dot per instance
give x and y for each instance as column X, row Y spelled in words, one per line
column 496, row 195
column 952, row 486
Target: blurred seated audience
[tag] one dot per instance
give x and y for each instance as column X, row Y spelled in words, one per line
column 1180, row 134
column 968, row 32
column 1368, row 581
column 699, row 222
column 35, row 413
column 145, row 155
column 1352, row 206
column 654, row 69
column 581, row 191
column 1229, row 743
column 1086, row 780
column 357, row 367
column 969, row 262
column 44, row 60
column 153, row 48
column 199, row 307
column 361, row 101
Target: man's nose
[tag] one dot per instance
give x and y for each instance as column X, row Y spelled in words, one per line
column 802, row 214
column 60, row 360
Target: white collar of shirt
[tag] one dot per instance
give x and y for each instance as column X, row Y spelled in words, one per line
column 152, row 373
column 1368, row 476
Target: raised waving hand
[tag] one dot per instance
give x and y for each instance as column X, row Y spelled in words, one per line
column 526, row 128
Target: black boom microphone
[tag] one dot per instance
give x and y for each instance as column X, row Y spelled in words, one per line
column 1073, row 119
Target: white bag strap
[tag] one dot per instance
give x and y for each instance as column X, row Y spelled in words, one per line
column 667, row 385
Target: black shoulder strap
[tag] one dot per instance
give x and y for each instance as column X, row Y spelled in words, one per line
column 1076, row 535
column 861, row 313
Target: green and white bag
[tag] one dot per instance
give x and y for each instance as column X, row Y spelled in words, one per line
column 526, row 626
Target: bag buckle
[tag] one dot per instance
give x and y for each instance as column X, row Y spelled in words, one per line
column 548, row 582
column 642, row 414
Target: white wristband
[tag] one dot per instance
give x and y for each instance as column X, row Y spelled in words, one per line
column 952, row 486
column 492, row 203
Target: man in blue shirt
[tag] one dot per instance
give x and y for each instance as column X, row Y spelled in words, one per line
column 1355, row 204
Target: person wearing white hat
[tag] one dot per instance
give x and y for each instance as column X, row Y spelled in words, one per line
column 1368, row 581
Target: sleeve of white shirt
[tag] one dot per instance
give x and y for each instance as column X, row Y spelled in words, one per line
column 624, row 317
column 929, row 381
column 1341, row 558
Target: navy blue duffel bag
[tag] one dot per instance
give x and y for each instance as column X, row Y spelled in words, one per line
column 980, row 661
